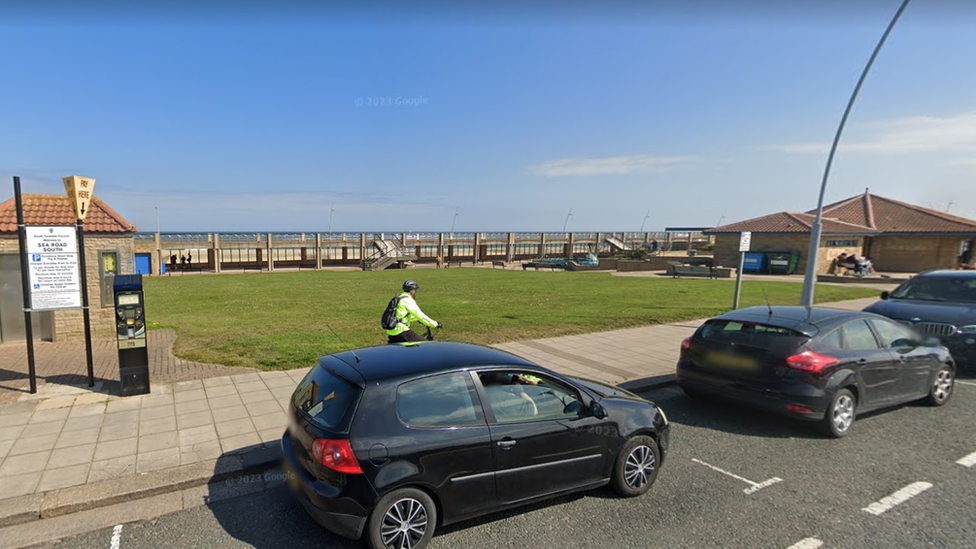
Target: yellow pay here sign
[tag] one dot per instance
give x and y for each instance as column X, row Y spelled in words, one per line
column 80, row 191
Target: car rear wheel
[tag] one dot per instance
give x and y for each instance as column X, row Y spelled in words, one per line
column 636, row 466
column 840, row 414
column 942, row 387
column 402, row 519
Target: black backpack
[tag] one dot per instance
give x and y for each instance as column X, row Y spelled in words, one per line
column 389, row 319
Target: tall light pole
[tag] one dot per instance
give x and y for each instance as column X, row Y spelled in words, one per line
column 454, row 221
column 567, row 219
column 646, row 216
column 810, row 276
column 331, row 211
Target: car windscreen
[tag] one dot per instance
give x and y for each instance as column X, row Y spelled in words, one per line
column 327, row 400
column 952, row 289
column 752, row 334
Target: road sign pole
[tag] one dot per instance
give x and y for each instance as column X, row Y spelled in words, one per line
column 84, row 301
column 25, row 279
column 738, row 280
column 745, row 243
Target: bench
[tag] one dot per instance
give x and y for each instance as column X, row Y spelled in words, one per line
column 550, row 266
column 306, row 266
column 497, row 264
column 678, row 270
column 447, row 264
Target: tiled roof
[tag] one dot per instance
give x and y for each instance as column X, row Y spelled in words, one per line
column 892, row 216
column 53, row 209
column 789, row 222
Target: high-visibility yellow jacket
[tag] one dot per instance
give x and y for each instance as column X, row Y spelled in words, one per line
column 407, row 312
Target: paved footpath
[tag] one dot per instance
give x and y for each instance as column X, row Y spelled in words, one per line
column 69, row 448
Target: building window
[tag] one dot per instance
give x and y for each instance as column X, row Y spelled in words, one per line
column 108, row 267
column 842, row 243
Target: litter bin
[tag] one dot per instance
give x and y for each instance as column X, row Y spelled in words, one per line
column 782, row 262
column 753, row 262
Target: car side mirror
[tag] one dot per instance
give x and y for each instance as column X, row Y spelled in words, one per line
column 885, row 294
column 598, row 410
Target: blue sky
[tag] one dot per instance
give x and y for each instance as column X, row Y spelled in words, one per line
column 241, row 117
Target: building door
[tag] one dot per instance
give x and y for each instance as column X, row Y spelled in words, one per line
column 144, row 264
column 12, row 327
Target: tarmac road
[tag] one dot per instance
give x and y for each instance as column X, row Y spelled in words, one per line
column 819, row 501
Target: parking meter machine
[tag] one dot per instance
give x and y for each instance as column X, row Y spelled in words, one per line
column 130, row 323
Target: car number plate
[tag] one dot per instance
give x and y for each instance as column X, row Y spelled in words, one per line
column 729, row 360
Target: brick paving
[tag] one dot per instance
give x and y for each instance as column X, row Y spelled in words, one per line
column 63, row 363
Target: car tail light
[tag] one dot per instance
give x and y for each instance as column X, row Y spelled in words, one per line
column 810, row 361
column 686, row 343
column 336, row 455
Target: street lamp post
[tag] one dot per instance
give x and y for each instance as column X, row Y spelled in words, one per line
column 810, row 276
column 567, row 219
column 331, row 211
column 454, row 221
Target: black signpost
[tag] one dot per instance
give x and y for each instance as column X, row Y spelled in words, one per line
column 84, row 299
column 25, row 279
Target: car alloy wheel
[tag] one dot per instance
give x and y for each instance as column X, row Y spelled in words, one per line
column 843, row 413
column 404, row 524
column 636, row 466
column 943, row 385
column 639, row 467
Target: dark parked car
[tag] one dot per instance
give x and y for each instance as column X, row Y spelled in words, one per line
column 940, row 304
column 815, row 364
column 386, row 443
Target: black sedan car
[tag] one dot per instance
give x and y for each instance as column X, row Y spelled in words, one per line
column 386, row 443
column 940, row 304
column 815, row 364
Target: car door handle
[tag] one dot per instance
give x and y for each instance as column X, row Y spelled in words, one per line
column 506, row 444
column 862, row 361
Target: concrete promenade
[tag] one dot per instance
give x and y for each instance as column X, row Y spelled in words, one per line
column 69, row 449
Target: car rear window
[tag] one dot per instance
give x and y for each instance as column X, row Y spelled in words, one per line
column 447, row 400
column 328, row 400
column 751, row 334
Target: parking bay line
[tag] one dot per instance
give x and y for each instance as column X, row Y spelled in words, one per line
column 901, row 496
column 966, row 383
column 116, row 537
column 753, row 486
column 809, row 543
column 968, row 461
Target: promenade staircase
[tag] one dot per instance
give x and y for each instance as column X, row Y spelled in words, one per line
column 618, row 245
column 388, row 252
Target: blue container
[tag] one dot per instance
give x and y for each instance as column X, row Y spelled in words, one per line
column 754, row 262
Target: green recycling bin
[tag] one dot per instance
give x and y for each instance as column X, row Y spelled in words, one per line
column 782, row 262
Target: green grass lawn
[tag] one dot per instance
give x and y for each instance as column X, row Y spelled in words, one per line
column 279, row 320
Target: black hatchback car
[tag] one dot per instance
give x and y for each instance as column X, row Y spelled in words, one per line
column 815, row 364
column 386, row 443
column 940, row 304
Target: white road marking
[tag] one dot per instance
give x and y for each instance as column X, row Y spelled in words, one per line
column 809, row 543
column 898, row 497
column 116, row 537
column 753, row 486
column 966, row 383
column 968, row 461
